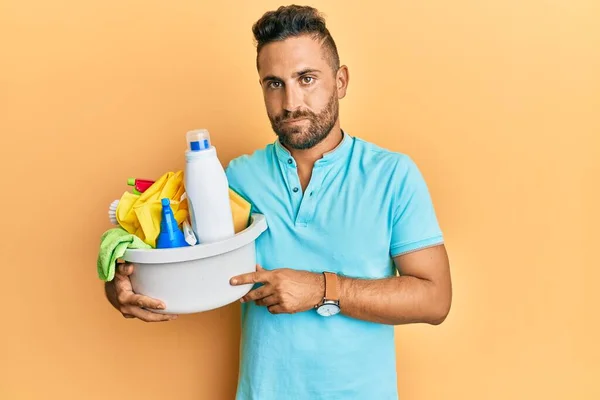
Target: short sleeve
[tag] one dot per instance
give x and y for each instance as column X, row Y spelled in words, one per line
column 414, row 225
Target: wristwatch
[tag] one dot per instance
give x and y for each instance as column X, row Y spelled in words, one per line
column 330, row 305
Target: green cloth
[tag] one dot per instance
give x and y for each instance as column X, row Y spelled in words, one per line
column 113, row 244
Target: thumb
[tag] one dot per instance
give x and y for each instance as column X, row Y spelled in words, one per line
column 259, row 268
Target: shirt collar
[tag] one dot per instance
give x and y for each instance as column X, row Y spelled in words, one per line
column 340, row 152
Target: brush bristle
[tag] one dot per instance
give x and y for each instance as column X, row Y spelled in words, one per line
column 112, row 212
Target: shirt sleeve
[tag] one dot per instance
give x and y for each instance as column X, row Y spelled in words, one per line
column 415, row 225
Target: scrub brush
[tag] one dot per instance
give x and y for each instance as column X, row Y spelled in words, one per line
column 112, row 212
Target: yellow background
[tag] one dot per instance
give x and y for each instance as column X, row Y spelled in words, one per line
column 498, row 102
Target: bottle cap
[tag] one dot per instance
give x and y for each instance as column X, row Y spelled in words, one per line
column 198, row 140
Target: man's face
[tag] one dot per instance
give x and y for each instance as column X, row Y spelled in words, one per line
column 299, row 87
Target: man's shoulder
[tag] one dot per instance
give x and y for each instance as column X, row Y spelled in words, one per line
column 370, row 152
column 247, row 173
column 246, row 162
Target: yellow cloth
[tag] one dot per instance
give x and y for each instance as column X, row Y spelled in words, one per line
column 240, row 210
column 141, row 214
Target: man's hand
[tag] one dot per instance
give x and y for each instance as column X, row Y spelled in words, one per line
column 283, row 290
column 120, row 294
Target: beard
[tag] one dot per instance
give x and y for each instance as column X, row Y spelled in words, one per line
column 307, row 136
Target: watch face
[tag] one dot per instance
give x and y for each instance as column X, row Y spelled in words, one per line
column 327, row 310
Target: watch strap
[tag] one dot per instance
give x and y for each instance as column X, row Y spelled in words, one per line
column 332, row 290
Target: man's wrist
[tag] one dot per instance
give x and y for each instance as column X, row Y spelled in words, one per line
column 319, row 289
column 330, row 302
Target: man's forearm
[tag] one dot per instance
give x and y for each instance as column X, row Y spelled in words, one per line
column 394, row 301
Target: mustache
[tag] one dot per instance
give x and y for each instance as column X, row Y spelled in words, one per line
column 288, row 115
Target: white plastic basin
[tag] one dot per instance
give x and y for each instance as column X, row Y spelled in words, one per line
column 196, row 278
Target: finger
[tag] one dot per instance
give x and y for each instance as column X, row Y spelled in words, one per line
column 124, row 269
column 259, row 293
column 251, row 277
column 275, row 309
column 259, row 268
column 267, row 301
column 148, row 316
column 144, row 301
column 126, row 297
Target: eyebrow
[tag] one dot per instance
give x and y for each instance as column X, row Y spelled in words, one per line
column 302, row 72
column 306, row 71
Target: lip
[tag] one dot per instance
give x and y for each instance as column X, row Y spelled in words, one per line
column 292, row 121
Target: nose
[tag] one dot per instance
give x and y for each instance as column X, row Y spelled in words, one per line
column 293, row 98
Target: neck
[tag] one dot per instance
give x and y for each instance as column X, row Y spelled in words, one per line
column 305, row 159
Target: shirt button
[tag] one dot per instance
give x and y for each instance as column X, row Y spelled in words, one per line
column 295, row 189
column 290, row 161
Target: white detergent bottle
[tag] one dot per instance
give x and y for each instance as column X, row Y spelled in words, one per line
column 207, row 189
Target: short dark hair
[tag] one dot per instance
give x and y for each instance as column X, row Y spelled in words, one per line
column 293, row 21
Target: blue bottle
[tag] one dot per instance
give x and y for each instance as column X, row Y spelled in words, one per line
column 170, row 235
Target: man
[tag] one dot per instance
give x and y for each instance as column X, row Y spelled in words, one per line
column 344, row 215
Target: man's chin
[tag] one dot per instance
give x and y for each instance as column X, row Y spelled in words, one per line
column 299, row 140
column 296, row 144
column 294, row 139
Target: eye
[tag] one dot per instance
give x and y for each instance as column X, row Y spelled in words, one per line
column 307, row 80
column 274, row 85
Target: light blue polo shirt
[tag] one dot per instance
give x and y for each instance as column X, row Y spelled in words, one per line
column 363, row 205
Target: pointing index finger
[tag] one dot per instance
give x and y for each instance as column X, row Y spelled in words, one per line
column 251, row 277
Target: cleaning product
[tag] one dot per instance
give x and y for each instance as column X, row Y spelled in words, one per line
column 207, row 190
column 240, row 213
column 139, row 185
column 188, row 233
column 170, row 235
